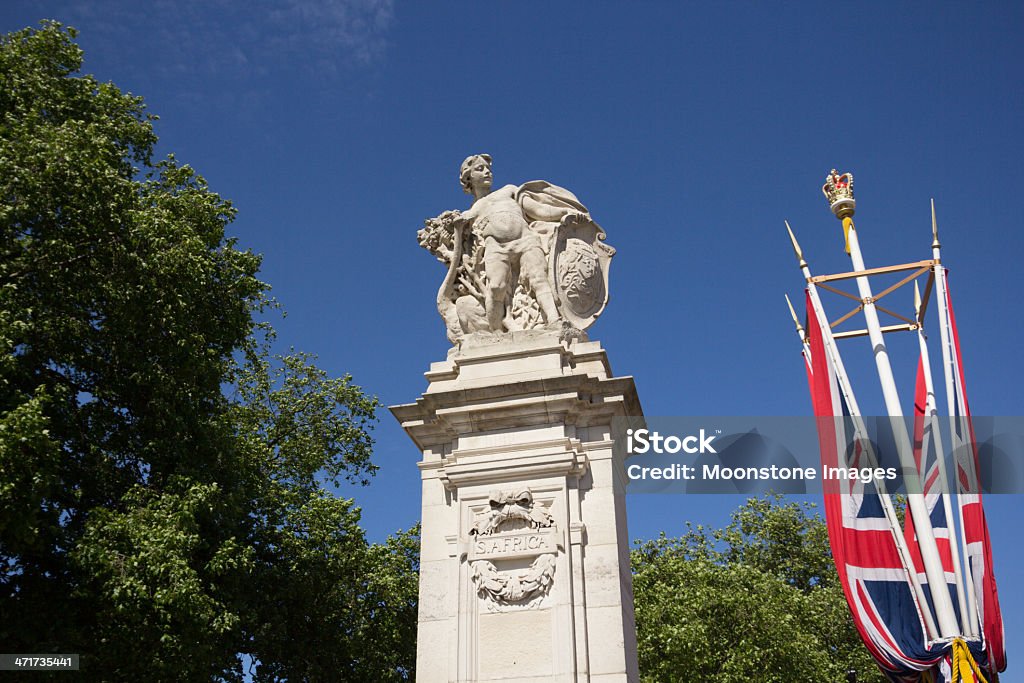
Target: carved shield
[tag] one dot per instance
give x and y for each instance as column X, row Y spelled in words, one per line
column 578, row 269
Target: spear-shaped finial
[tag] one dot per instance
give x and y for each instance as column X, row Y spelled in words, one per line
column 796, row 320
column 935, row 228
column 917, row 301
column 796, row 246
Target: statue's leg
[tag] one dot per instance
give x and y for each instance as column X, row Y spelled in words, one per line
column 496, row 270
column 533, row 264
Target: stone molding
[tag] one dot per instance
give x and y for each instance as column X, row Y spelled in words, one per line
column 525, row 573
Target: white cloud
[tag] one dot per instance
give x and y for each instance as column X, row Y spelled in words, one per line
column 234, row 39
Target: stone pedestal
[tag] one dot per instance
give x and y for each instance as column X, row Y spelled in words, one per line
column 525, row 556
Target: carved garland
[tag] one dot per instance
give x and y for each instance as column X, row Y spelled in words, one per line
column 512, row 511
column 505, row 588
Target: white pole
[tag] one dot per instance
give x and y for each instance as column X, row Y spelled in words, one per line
column 860, row 431
column 931, row 432
column 948, row 367
column 915, row 501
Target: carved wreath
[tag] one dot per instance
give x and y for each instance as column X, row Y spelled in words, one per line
column 503, row 588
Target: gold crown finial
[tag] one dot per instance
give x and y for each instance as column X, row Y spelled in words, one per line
column 838, row 190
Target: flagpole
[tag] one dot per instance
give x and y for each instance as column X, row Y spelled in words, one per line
column 843, row 207
column 948, row 361
column 931, row 632
column 932, row 432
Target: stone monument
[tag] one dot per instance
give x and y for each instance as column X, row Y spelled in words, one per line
column 524, row 566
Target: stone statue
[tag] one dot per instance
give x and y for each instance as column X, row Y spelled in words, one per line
column 520, row 258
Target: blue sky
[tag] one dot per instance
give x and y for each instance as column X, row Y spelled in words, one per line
column 690, row 130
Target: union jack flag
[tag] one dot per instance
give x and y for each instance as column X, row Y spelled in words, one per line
column 978, row 547
column 873, row 573
column 933, row 486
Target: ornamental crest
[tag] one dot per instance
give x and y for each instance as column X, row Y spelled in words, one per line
column 579, row 262
column 509, row 507
column 515, row 526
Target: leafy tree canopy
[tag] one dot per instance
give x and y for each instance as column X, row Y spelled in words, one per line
column 759, row 600
column 163, row 477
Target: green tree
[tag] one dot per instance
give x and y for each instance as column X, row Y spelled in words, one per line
column 165, row 499
column 759, row 600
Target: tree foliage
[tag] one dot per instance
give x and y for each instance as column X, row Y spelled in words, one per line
column 164, row 479
column 759, row 600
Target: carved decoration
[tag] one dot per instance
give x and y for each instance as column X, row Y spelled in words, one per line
column 514, row 525
column 580, row 261
column 509, row 507
column 525, row 588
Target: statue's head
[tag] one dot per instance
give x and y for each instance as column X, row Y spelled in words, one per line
column 467, row 167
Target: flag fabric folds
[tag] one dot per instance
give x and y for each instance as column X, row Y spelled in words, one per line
column 871, row 570
column 932, row 486
column 880, row 566
column 975, row 528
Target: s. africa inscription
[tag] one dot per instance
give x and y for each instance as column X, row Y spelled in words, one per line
column 514, row 544
column 514, row 526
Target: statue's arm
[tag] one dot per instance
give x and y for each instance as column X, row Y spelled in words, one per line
column 467, row 217
column 540, row 211
column 542, row 201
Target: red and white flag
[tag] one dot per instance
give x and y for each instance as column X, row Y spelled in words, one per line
column 871, row 570
column 978, row 547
